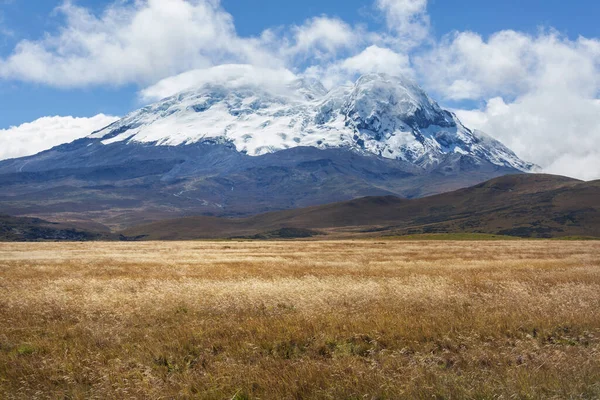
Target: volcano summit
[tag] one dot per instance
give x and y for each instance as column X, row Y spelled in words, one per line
column 239, row 149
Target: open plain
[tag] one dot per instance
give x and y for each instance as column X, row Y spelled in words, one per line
column 378, row 319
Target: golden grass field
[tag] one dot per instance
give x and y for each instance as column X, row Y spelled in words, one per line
column 300, row 320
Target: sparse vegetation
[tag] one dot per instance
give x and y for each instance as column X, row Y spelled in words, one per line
column 284, row 233
column 300, row 320
column 454, row 236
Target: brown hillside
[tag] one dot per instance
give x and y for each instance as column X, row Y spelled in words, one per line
column 534, row 205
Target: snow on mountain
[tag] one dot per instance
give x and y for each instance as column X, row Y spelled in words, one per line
column 389, row 116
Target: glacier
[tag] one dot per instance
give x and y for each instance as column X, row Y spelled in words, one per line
column 388, row 116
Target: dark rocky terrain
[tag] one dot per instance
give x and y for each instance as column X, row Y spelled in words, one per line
column 122, row 186
column 23, row 229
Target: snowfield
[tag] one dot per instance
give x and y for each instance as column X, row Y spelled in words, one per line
column 391, row 117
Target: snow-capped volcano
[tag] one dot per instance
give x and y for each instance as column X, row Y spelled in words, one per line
column 238, row 149
column 391, row 117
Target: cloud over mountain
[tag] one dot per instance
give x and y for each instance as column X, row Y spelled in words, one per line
column 44, row 133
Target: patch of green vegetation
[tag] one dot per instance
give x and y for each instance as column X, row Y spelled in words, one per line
column 359, row 345
column 284, row 233
column 25, row 349
column 477, row 236
column 577, row 238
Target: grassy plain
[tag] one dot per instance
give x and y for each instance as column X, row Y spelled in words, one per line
column 300, row 320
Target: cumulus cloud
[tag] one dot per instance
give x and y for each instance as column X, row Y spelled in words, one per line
column 407, row 20
column 540, row 93
column 373, row 59
column 377, row 59
column 143, row 42
column 47, row 132
column 466, row 66
column 140, row 41
column 558, row 131
column 323, row 37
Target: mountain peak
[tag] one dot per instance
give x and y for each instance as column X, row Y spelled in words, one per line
column 311, row 88
column 389, row 116
column 397, row 80
column 396, row 98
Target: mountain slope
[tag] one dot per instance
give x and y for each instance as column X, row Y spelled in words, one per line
column 516, row 205
column 383, row 115
column 240, row 150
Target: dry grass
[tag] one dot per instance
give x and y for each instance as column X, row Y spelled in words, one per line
column 300, row 320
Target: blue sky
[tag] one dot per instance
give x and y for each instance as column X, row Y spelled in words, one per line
column 525, row 71
column 22, row 102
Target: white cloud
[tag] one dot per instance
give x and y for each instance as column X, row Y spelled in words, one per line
column 378, row 59
column 323, row 37
column 465, row 66
column 234, row 76
column 47, row 132
column 140, row 41
column 143, row 42
column 407, row 20
column 550, row 83
column 373, row 59
column 559, row 131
